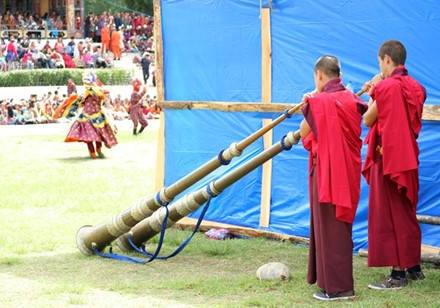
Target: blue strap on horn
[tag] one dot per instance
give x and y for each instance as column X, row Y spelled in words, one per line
column 283, row 144
column 111, row 255
column 287, row 114
column 155, row 255
column 220, row 159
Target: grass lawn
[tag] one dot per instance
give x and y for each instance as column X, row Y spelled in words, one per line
column 49, row 189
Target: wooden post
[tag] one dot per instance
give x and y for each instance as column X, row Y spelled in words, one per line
column 158, row 43
column 70, row 18
column 266, row 96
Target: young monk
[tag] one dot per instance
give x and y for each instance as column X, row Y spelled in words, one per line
column 331, row 133
column 391, row 168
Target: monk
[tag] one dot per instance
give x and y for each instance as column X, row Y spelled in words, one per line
column 391, row 168
column 115, row 44
column 105, row 38
column 331, row 132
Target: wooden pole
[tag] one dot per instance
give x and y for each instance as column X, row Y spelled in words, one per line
column 430, row 220
column 266, row 96
column 160, row 89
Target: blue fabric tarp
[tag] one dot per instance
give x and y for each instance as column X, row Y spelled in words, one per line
column 212, row 53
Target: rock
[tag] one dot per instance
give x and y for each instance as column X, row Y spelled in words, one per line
column 273, row 270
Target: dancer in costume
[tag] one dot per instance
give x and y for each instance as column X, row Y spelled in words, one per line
column 93, row 125
column 136, row 114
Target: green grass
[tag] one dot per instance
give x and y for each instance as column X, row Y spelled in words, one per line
column 49, row 189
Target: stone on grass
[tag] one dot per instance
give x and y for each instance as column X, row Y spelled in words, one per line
column 273, row 270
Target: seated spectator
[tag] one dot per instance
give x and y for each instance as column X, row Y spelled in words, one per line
column 40, row 59
column 59, row 45
column 119, row 111
column 46, row 47
column 27, row 60
column 88, row 59
column 31, row 116
column 68, row 61
column 47, row 113
column 2, row 114
column 55, row 59
column 155, row 109
column 100, row 61
column 70, row 48
column 11, row 114
column 80, row 49
column 19, row 120
column 3, row 64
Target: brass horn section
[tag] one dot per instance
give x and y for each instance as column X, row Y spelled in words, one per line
column 91, row 238
column 149, row 227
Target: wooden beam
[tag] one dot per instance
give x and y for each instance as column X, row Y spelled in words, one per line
column 187, row 222
column 429, row 254
column 430, row 112
column 266, row 96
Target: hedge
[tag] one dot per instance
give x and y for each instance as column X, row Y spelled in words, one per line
column 59, row 77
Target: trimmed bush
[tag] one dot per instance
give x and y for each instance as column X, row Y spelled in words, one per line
column 59, row 77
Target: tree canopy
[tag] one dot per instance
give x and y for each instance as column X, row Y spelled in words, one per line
column 116, row 6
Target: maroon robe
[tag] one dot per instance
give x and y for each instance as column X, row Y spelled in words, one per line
column 391, row 170
column 334, row 143
column 136, row 114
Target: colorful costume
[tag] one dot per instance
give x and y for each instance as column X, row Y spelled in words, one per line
column 334, row 143
column 136, row 112
column 92, row 124
column 391, row 170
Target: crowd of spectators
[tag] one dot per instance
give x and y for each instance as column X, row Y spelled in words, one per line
column 40, row 110
column 90, row 47
column 103, row 39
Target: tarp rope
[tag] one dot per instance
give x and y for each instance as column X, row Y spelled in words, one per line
column 155, row 255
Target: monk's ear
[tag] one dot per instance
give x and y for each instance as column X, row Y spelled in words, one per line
column 319, row 75
column 387, row 59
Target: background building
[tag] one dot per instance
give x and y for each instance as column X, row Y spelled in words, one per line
column 69, row 10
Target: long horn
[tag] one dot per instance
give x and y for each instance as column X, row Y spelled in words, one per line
column 89, row 238
column 152, row 225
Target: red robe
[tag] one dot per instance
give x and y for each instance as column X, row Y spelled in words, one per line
column 334, row 117
column 391, row 170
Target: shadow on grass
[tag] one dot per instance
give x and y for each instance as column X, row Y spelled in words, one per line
column 78, row 159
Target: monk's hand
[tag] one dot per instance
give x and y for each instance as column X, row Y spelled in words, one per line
column 308, row 95
column 369, row 85
column 377, row 78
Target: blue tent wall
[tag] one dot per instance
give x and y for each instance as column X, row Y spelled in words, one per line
column 212, row 52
